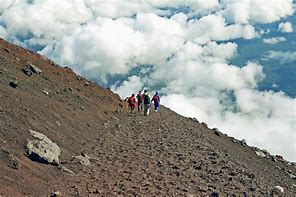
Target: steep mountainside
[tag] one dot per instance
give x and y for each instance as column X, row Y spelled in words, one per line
column 106, row 151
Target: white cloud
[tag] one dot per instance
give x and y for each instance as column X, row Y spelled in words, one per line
column 3, row 33
column 214, row 27
column 132, row 85
column 274, row 40
column 108, row 46
column 258, row 11
column 193, row 4
column 45, row 20
column 282, row 57
column 286, row 27
column 4, row 4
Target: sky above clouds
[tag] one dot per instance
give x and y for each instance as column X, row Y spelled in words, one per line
column 182, row 48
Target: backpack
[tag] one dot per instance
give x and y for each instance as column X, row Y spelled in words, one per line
column 146, row 99
column 130, row 101
column 155, row 99
column 140, row 97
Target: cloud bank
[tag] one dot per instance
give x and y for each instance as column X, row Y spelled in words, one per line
column 181, row 48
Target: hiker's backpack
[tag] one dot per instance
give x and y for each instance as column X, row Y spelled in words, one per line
column 140, row 97
column 146, row 99
column 130, row 101
column 155, row 99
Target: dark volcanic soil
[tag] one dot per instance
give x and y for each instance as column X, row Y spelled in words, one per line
column 163, row 154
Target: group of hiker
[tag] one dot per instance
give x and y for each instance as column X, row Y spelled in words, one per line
column 142, row 102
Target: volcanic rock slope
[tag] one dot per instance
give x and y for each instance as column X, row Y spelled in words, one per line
column 106, row 151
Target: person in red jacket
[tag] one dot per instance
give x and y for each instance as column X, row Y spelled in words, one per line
column 132, row 103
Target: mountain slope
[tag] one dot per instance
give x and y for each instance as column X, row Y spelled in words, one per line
column 129, row 154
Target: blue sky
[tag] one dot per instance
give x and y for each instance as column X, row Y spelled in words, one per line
column 228, row 63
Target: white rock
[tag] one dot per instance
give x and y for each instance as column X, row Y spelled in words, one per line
column 279, row 188
column 35, row 69
column 260, row 153
column 292, row 176
column 43, row 149
column 83, row 160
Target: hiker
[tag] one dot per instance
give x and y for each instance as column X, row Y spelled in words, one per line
column 126, row 105
column 146, row 101
column 140, row 101
column 156, row 101
column 132, row 103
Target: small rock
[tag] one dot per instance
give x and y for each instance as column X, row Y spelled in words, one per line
column 204, row 124
column 118, row 126
column 234, row 141
column 292, row 176
column 244, row 142
column 86, row 83
column 195, row 120
column 31, row 69
column 64, row 169
column 214, row 194
column 260, row 153
column 46, row 92
column 279, row 189
column 278, row 167
column 13, row 84
column 83, row 153
column 7, row 50
column 279, row 157
column 115, row 118
column 89, row 125
column 217, row 133
column 27, row 71
column 56, row 194
column 35, row 69
column 15, row 164
column 83, row 160
column 273, row 159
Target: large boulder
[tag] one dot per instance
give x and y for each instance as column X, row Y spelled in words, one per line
column 42, row 149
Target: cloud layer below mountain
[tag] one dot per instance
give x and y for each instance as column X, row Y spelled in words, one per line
column 181, row 48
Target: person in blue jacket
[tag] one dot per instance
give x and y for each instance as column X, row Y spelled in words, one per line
column 156, row 100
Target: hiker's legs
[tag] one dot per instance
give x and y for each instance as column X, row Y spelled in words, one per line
column 140, row 106
column 156, row 106
column 146, row 109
